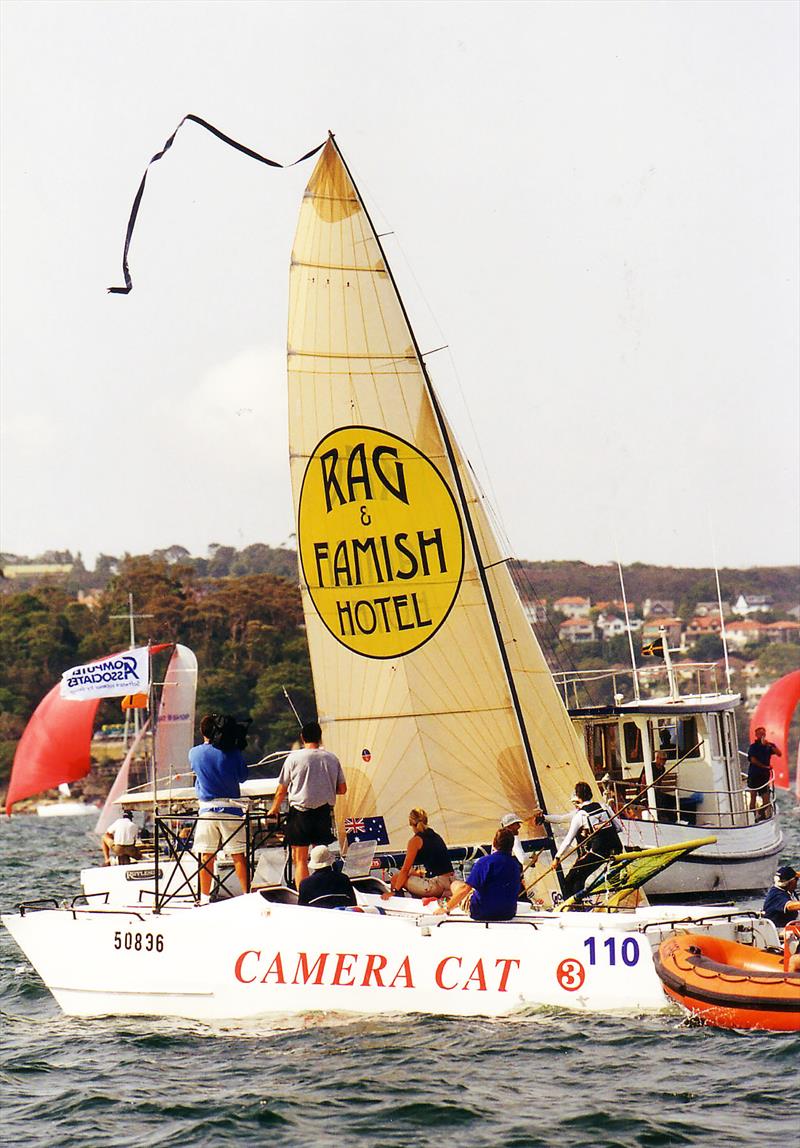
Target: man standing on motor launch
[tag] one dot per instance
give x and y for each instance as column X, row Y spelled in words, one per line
column 312, row 778
column 759, row 773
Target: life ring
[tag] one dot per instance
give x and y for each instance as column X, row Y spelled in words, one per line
column 728, row 984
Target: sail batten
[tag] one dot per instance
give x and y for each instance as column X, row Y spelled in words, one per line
column 433, row 687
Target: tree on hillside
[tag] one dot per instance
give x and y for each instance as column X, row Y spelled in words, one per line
column 707, row 648
column 779, row 658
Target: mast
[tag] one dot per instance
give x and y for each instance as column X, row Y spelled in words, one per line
column 630, row 635
column 132, row 636
column 466, row 515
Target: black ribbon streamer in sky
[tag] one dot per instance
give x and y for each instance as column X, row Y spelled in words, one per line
column 138, row 198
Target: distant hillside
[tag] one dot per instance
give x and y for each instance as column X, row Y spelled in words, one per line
column 548, row 580
column 551, row 580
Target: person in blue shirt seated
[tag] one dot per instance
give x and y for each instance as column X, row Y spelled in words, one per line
column 782, row 907
column 324, row 887
column 490, row 892
column 780, row 903
column 219, row 767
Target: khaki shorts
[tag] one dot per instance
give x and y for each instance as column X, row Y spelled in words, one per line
column 430, row 886
column 217, row 831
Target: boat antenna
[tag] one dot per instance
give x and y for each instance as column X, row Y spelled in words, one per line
column 630, row 635
column 723, row 634
column 291, row 703
column 132, row 634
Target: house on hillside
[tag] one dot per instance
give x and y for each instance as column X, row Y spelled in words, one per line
column 703, row 624
column 753, row 693
column 616, row 606
column 572, row 607
column 782, row 631
column 658, row 607
column 576, row 630
column 708, row 609
column 741, row 634
column 32, row 570
column 610, row 626
column 747, row 604
column 651, row 631
column 535, row 610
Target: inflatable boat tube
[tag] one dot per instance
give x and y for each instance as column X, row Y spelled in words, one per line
column 729, row 985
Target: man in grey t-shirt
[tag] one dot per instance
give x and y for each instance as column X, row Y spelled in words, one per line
column 311, row 778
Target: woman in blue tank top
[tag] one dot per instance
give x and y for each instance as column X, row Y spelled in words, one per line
column 427, row 870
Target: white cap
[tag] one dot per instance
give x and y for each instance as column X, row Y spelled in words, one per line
column 509, row 819
column 320, row 857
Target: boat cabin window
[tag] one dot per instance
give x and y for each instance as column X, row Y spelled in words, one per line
column 712, row 723
column 663, row 737
column 634, row 746
column 602, row 743
column 729, row 736
column 689, row 740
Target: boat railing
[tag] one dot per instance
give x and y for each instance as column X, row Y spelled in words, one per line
column 710, row 808
column 173, row 838
column 580, row 689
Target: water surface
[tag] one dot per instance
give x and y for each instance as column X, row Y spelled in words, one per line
column 551, row 1078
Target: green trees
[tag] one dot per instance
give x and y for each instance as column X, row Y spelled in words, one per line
column 247, row 633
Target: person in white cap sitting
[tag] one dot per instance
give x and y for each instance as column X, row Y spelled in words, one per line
column 513, row 823
column 324, row 887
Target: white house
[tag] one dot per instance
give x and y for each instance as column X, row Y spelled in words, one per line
column 576, row 630
column 610, row 626
column 535, row 611
column 741, row 634
column 573, row 607
column 658, row 607
column 747, row 604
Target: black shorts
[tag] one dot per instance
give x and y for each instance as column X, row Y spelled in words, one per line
column 310, row 826
column 758, row 778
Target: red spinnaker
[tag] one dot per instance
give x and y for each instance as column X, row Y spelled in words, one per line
column 55, row 746
column 774, row 712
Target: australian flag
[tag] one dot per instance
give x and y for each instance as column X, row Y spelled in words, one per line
column 366, row 829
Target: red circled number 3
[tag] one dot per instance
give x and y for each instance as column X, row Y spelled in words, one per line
column 570, row 974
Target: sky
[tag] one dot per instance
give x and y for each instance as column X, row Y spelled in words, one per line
column 592, row 206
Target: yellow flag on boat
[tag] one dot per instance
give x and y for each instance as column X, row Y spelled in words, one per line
column 653, row 649
column 615, row 884
column 430, row 684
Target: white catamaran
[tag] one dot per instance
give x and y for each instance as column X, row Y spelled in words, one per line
column 431, row 689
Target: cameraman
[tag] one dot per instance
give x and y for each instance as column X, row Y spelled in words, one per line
column 219, row 766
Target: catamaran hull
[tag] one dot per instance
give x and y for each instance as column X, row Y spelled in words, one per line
column 247, row 957
column 66, row 809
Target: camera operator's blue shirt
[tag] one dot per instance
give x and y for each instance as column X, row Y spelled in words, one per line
column 217, row 772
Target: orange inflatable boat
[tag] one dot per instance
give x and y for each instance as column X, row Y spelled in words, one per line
column 730, row 985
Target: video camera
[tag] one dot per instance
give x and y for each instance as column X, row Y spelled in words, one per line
column 229, row 733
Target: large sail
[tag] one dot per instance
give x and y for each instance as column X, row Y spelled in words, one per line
column 430, row 684
column 774, row 712
column 175, row 724
column 111, row 809
column 54, row 747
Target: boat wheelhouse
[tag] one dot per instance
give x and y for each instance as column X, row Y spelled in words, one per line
column 702, row 788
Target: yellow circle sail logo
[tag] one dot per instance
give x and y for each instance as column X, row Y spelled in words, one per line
column 381, row 543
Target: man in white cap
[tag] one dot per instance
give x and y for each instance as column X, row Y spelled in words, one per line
column 513, row 823
column 324, row 887
column 782, row 905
